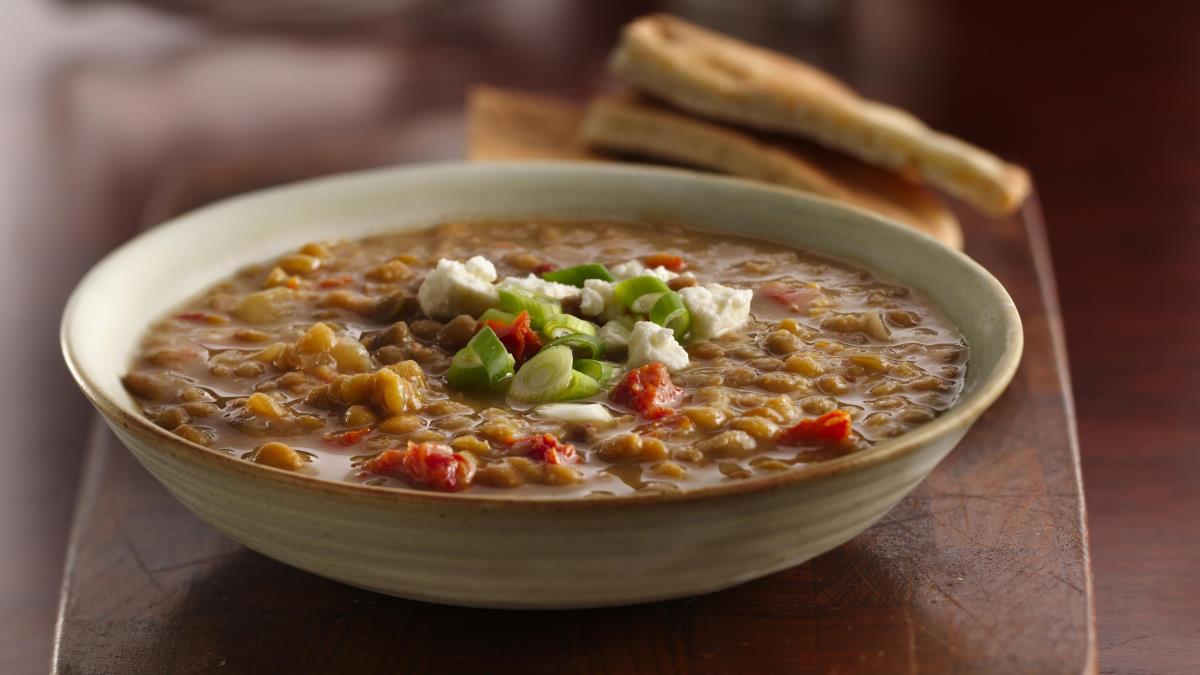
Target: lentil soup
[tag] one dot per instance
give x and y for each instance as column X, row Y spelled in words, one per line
column 552, row 357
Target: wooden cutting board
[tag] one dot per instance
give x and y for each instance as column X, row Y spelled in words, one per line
column 983, row 569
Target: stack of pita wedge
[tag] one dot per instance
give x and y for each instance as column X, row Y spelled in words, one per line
column 700, row 99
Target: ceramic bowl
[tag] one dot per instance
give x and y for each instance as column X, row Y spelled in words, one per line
column 514, row 551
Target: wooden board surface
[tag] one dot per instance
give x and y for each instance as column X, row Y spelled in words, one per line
column 983, row 568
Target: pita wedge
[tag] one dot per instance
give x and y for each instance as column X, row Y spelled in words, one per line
column 508, row 124
column 638, row 126
column 709, row 74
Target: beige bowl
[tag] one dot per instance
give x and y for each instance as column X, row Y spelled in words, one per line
column 514, row 551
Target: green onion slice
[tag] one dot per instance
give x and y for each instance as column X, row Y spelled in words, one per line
column 575, row 276
column 483, row 364
column 540, row 307
column 581, row 386
column 600, row 371
column 494, row 314
column 545, row 377
column 584, row 346
column 669, row 312
column 574, row 412
column 565, row 324
column 630, row 290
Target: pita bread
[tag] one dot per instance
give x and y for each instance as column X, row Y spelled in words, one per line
column 638, row 126
column 708, row 74
column 515, row 125
column 509, row 124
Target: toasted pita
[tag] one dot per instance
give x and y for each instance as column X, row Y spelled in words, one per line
column 509, row 124
column 709, row 74
column 641, row 127
column 527, row 124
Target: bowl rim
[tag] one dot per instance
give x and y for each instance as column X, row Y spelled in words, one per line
column 960, row 416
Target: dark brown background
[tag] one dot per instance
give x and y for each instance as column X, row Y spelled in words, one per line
column 1101, row 100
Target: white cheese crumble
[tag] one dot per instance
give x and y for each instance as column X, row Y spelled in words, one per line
column 615, row 334
column 635, row 268
column 716, row 309
column 650, row 342
column 535, row 284
column 574, row 412
column 597, row 299
column 453, row 288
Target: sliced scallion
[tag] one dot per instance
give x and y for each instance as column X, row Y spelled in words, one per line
column 669, row 312
column 600, row 371
column 644, row 304
column 581, row 386
column 629, row 290
column 482, row 364
column 540, row 307
column 545, row 377
column 575, row 276
column 584, row 346
column 574, row 412
column 565, row 324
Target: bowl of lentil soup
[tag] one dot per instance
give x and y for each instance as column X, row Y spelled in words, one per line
column 497, row 385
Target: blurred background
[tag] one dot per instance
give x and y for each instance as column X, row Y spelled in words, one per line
column 110, row 109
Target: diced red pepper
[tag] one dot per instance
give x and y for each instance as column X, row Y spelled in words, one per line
column 544, row 267
column 348, row 437
column 833, row 427
column 518, row 337
column 432, row 464
column 334, row 282
column 648, row 390
column 796, row 298
column 671, row 262
column 544, row 447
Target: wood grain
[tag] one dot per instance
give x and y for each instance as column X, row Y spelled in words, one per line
column 983, row 569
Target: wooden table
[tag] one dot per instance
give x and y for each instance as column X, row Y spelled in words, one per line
column 1097, row 100
column 982, row 569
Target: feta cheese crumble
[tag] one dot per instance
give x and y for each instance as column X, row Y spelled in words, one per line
column 454, row 288
column 650, row 342
column 535, row 284
column 597, row 299
column 716, row 309
column 615, row 334
column 635, row 268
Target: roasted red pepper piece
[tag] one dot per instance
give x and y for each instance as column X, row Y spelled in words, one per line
column 795, row 298
column 518, row 337
column 671, row 262
column 544, row 267
column 833, row 427
column 348, row 437
column 647, row 390
column 544, row 447
column 432, row 464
